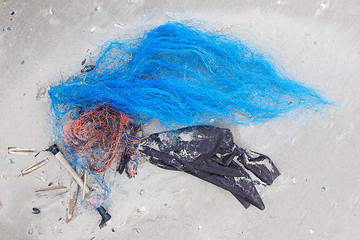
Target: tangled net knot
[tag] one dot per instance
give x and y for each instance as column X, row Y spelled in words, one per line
column 98, row 137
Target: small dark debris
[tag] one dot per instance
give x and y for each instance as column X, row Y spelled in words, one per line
column 113, row 229
column 22, row 62
column 137, row 230
column 87, row 68
column 36, row 211
column 83, row 61
column 105, row 216
column 12, row 13
column 9, row 28
column 50, row 183
column 60, row 219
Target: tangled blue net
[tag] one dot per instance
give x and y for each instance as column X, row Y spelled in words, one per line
column 183, row 76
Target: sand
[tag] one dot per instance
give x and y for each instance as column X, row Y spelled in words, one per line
column 317, row 195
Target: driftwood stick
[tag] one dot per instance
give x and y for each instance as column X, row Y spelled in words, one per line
column 55, row 150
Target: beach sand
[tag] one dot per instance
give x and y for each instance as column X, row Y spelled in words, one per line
column 317, row 195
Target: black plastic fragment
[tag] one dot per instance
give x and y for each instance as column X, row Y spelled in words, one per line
column 105, row 216
column 210, row 153
column 54, row 149
column 124, row 160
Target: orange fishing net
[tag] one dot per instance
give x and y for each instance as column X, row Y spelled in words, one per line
column 98, row 137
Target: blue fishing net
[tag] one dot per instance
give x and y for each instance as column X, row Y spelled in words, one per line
column 183, row 76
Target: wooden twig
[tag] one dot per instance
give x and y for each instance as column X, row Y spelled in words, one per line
column 76, row 177
column 83, row 193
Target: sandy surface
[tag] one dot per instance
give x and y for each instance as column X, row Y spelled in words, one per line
column 317, row 196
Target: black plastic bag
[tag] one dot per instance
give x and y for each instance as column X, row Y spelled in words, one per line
column 210, row 153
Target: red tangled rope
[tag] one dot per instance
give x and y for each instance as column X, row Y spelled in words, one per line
column 98, row 137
